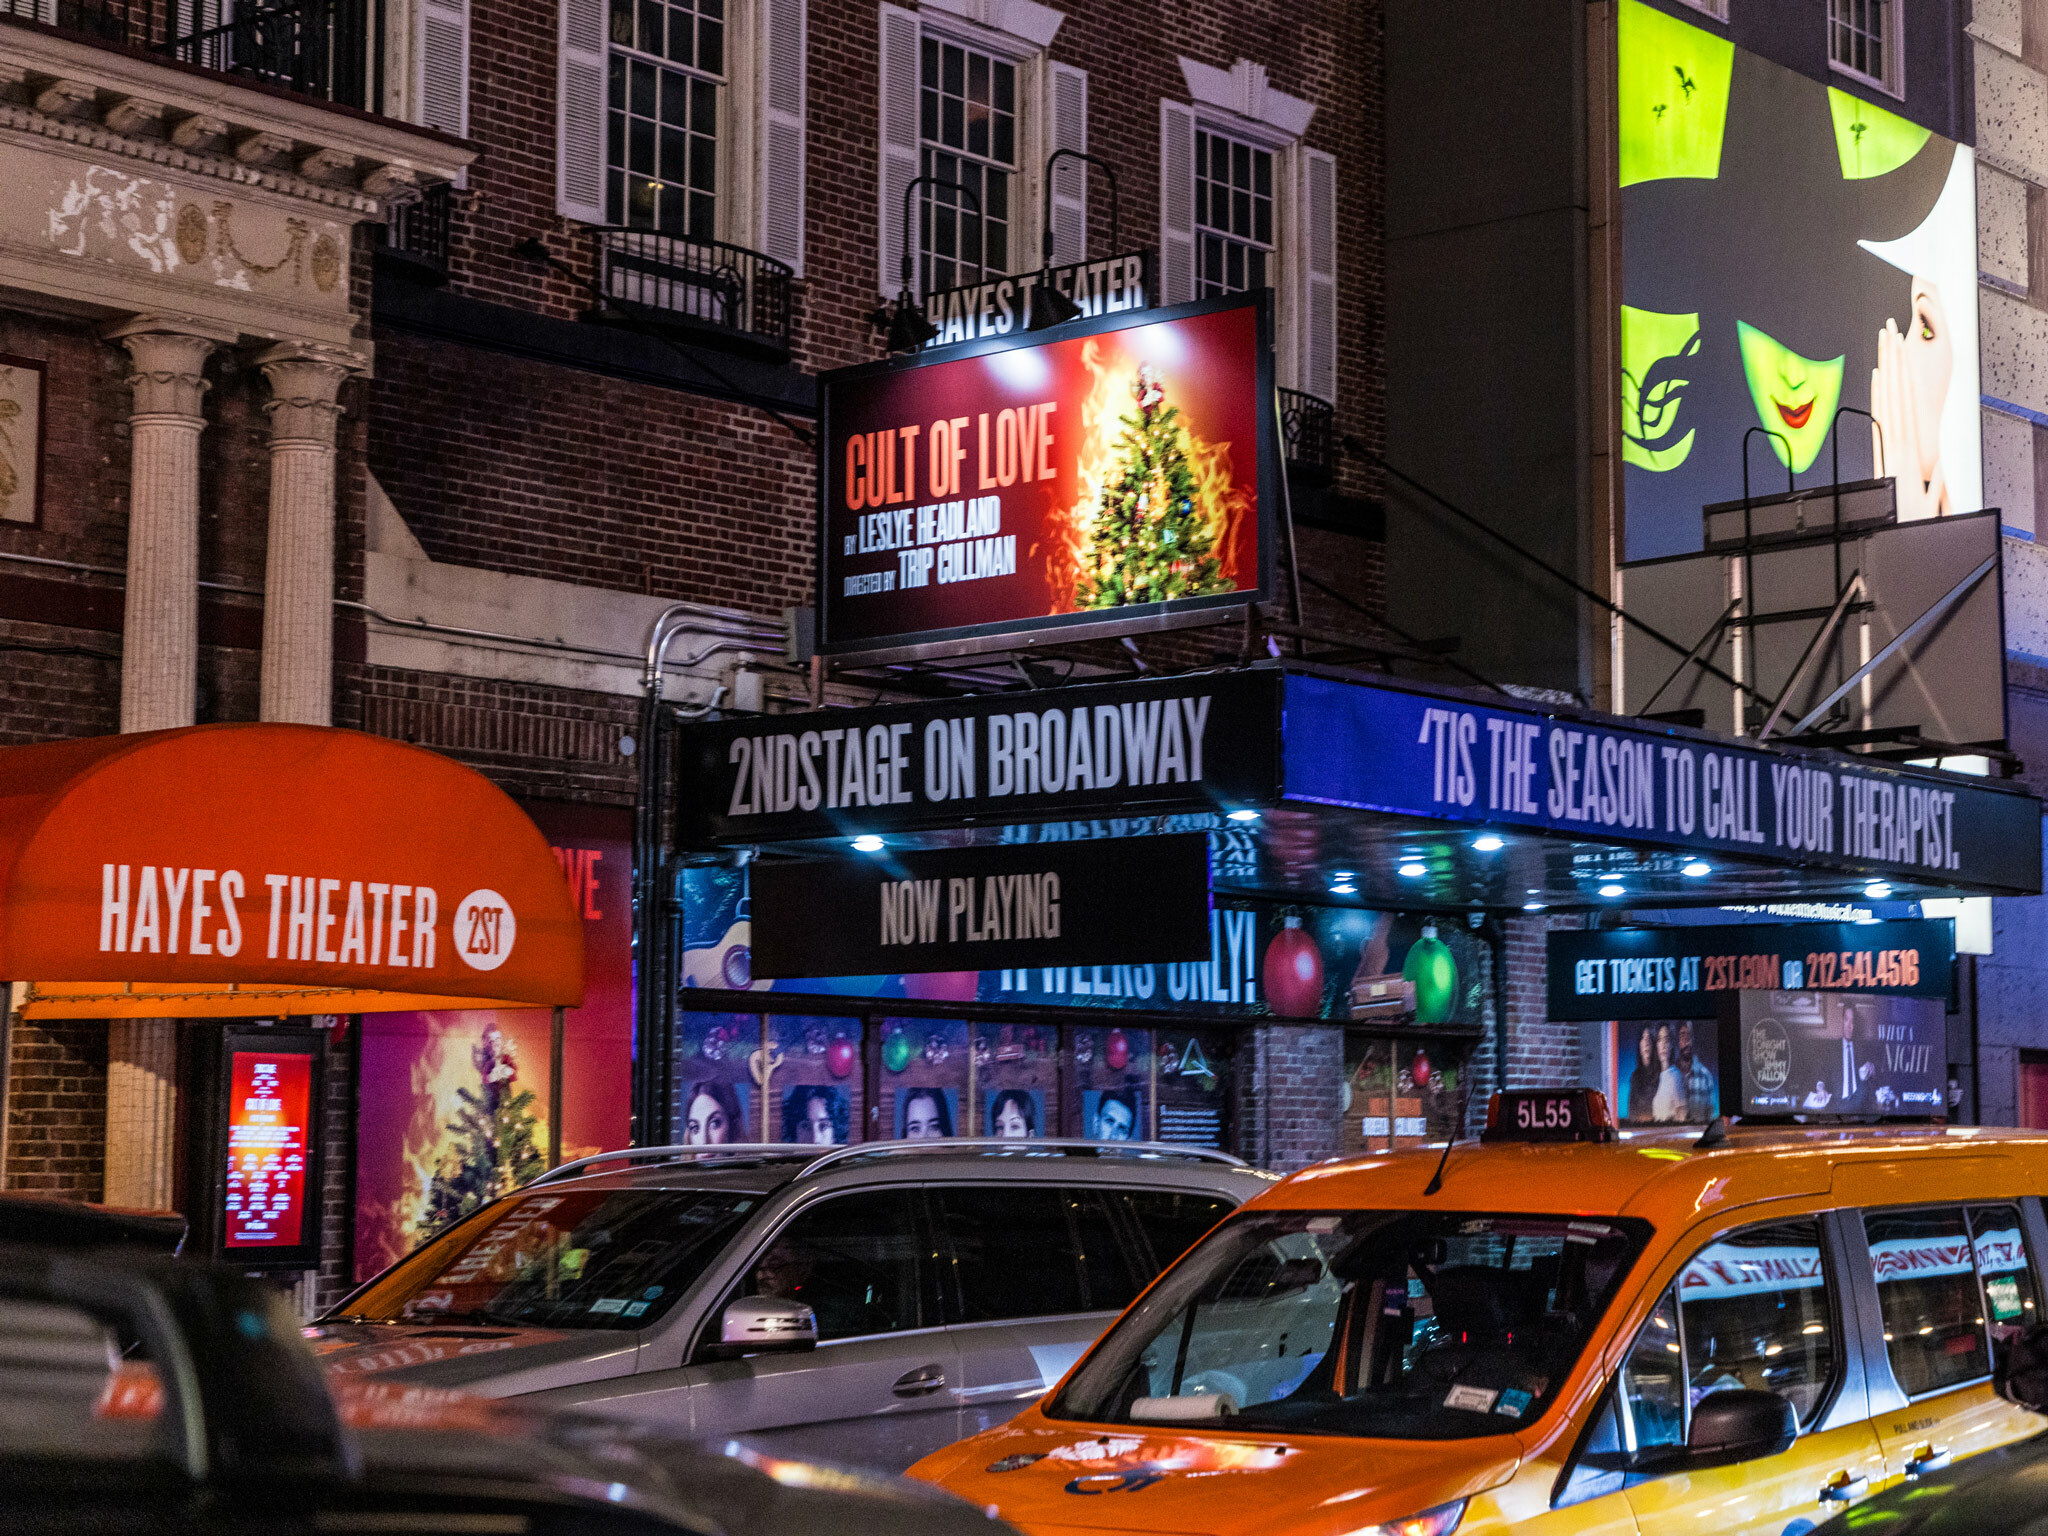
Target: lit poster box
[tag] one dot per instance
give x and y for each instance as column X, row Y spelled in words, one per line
column 261, row 1159
column 1834, row 1056
column 1121, row 475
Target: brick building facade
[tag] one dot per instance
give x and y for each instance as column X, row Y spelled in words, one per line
column 575, row 283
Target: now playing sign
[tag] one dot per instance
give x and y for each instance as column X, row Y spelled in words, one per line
column 1121, row 901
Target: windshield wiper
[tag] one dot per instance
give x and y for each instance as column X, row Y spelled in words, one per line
column 476, row 1315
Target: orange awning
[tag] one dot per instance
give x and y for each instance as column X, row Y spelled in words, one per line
column 243, row 870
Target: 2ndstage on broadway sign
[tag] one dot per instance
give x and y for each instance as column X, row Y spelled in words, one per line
column 1118, row 477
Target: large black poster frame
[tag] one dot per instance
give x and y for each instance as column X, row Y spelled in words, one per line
column 213, row 1053
column 1021, row 634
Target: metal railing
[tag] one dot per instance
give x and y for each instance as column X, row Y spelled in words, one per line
column 698, row 285
column 814, row 1162
column 319, row 48
column 1310, row 427
column 415, row 234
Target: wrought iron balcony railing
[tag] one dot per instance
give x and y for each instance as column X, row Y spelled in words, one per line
column 723, row 292
column 320, row 48
column 414, row 236
column 1310, row 427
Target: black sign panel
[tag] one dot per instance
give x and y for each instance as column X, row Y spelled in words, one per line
column 1120, row 901
column 1191, row 743
column 1839, row 1055
column 1682, row 973
column 1548, row 1114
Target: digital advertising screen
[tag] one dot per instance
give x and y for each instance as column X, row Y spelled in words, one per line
column 1834, row 1055
column 270, row 1109
column 1117, row 477
column 1789, row 250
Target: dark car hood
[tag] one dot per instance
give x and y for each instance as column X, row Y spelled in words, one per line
column 497, row 1362
column 408, row 1433
column 2005, row 1490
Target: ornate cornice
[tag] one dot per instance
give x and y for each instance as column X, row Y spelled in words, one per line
column 103, row 140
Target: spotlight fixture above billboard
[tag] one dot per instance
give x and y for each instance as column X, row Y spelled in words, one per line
column 1118, row 476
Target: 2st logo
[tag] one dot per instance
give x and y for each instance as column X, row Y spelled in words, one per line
column 485, row 930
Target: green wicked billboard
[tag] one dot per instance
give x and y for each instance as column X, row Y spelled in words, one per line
column 1788, row 250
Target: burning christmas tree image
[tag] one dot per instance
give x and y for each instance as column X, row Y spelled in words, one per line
column 1151, row 538
column 493, row 1143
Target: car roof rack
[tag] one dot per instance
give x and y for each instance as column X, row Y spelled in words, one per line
column 1035, row 1146
column 815, row 1163
column 729, row 1151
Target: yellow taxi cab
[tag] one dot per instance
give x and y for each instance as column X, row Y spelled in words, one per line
column 1561, row 1329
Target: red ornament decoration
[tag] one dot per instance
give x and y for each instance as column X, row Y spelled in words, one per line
column 1117, row 1053
column 839, row 1058
column 1420, row 1071
column 1293, row 973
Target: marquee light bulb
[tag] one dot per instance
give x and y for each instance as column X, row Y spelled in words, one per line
column 1612, row 889
column 1877, row 890
column 1244, row 815
column 867, row 842
column 1413, row 869
column 1698, row 869
column 1488, row 843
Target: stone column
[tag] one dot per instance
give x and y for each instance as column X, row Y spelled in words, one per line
column 142, row 1112
column 160, row 629
column 159, row 690
column 298, row 580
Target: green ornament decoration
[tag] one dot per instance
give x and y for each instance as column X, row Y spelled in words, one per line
column 1434, row 970
column 896, row 1050
column 1149, row 542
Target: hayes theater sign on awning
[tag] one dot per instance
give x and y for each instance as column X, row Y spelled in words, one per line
column 1122, row 901
column 250, row 869
column 1118, row 478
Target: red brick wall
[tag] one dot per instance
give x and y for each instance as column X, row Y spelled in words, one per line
column 57, row 1108
column 1288, row 1081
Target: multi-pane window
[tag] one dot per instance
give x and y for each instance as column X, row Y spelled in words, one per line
column 1233, row 215
column 661, row 158
column 969, row 137
column 1860, row 38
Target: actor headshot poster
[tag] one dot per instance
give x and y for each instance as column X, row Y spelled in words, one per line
column 924, row 1114
column 815, row 1115
column 1014, row 1114
column 1664, row 1076
column 713, row 1115
column 1113, row 1114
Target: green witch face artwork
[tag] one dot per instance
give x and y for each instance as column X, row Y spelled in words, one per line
column 1795, row 396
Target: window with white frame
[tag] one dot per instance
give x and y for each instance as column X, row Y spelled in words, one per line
column 1863, row 40
column 666, row 69
column 967, row 139
column 1244, row 204
column 1234, row 230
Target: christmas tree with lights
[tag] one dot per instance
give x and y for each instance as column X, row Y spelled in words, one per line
column 496, row 1139
column 1149, row 541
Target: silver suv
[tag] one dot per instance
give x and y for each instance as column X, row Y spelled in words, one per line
column 869, row 1304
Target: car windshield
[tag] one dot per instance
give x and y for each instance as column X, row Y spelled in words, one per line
column 561, row 1258
column 1401, row 1325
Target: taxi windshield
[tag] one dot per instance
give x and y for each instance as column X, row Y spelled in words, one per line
column 1400, row 1325
column 602, row 1258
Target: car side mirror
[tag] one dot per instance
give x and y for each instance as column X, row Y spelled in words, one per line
column 766, row 1325
column 2020, row 1369
column 1739, row 1424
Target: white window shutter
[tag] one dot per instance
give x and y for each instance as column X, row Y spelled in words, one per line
column 444, row 66
column 1066, row 112
column 1176, row 202
column 783, row 60
column 1318, row 371
column 900, row 84
column 579, row 113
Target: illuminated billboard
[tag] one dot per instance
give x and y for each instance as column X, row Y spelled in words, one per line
column 1118, row 477
column 1797, row 261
